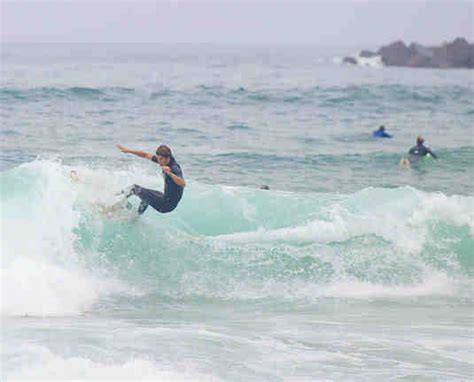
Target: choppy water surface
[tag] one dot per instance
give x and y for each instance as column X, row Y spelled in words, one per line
column 349, row 267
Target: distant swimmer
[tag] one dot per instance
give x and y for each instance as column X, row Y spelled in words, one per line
column 73, row 175
column 418, row 152
column 264, row 187
column 381, row 133
column 173, row 177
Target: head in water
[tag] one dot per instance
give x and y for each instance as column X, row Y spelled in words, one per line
column 382, row 128
column 163, row 155
column 419, row 140
column 73, row 175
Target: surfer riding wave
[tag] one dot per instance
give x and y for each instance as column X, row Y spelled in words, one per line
column 173, row 177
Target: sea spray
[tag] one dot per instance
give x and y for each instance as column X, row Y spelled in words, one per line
column 42, row 273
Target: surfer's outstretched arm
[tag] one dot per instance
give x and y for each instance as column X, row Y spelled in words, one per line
column 431, row 153
column 138, row 153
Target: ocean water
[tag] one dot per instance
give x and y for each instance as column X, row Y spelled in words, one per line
column 349, row 268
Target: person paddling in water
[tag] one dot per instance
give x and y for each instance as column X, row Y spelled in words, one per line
column 173, row 176
column 417, row 152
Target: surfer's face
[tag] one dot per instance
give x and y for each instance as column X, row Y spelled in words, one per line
column 163, row 161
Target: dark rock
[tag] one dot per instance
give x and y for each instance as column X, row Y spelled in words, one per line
column 420, row 56
column 349, row 60
column 395, row 54
column 457, row 54
column 418, row 49
column 460, row 54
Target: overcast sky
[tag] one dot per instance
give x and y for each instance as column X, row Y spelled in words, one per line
column 321, row 22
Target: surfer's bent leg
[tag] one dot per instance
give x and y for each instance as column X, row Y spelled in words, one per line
column 148, row 197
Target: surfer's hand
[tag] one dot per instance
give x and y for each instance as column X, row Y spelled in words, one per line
column 122, row 148
column 166, row 169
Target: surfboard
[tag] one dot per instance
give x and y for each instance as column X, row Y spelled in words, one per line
column 404, row 162
column 119, row 209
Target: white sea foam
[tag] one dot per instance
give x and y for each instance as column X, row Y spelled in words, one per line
column 434, row 284
column 41, row 274
column 457, row 210
column 373, row 62
column 32, row 287
column 46, row 365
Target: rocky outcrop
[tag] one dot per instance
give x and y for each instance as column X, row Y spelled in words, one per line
column 456, row 54
column 395, row 54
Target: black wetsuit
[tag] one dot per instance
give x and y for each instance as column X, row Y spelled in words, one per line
column 162, row 202
column 419, row 151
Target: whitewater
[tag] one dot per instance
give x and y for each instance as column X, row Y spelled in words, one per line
column 349, row 268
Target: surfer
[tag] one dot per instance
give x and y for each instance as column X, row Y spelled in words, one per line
column 173, row 177
column 417, row 152
column 381, row 133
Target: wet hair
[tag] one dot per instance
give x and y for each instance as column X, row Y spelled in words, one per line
column 164, row 151
column 419, row 140
column 382, row 128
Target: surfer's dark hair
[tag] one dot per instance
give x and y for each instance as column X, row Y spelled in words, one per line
column 164, row 151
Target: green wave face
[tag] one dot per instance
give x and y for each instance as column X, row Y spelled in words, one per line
column 240, row 243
